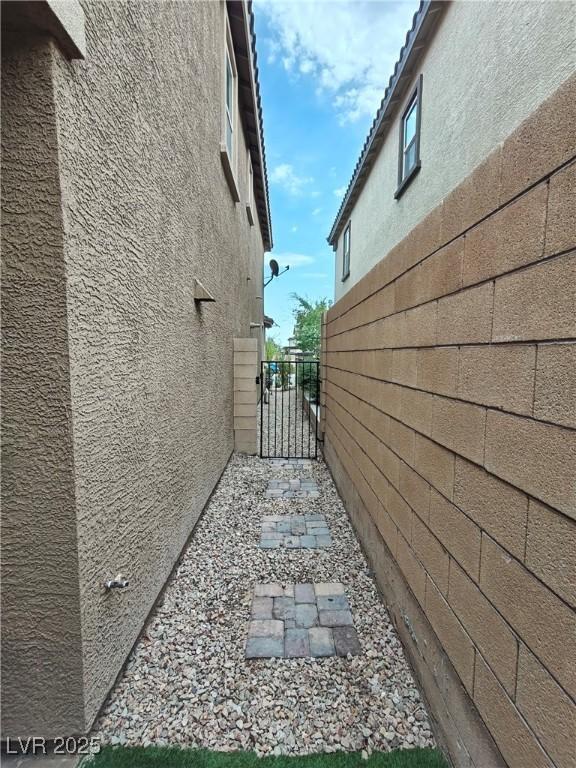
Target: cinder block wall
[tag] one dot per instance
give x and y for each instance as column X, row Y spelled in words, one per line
column 245, row 395
column 450, row 428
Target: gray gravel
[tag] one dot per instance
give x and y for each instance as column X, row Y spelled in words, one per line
column 187, row 681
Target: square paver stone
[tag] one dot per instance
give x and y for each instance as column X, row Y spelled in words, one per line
column 296, row 643
column 346, row 641
column 335, row 618
column 304, row 593
column 321, row 642
column 264, row 648
column 266, row 628
column 328, row 589
column 284, row 608
column 333, row 603
column 301, row 620
column 306, row 615
column 262, row 607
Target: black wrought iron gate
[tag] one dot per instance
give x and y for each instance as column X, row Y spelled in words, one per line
column 289, row 402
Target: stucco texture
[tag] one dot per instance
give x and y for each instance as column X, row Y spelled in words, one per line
column 146, row 209
column 41, row 659
column 488, row 67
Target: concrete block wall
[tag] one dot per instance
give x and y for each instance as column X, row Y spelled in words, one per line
column 245, row 395
column 450, row 429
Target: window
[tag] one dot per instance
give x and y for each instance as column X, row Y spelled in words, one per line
column 229, row 127
column 250, row 191
column 409, row 157
column 346, row 253
column 228, row 144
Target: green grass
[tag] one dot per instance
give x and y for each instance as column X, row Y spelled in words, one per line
column 169, row 757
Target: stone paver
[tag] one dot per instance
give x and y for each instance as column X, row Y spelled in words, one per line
column 304, row 593
column 291, row 464
column 264, row 647
column 301, row 620
column 306, row 615
column 321, row 642
column 295, row 532
column 296, row 643
column 346, row 641
column 297, row 488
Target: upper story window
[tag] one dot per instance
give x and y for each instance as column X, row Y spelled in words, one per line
column 229, row 141
column 409, row 156
column 230, row 99
column 346, row 253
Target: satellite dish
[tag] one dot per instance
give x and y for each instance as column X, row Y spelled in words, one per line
column 274, row 268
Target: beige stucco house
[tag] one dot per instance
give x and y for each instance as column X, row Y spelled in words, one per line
column 133, row 190
column 456, row 108
column 449, row 372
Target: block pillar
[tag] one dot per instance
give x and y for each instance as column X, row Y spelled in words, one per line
column 246, row 395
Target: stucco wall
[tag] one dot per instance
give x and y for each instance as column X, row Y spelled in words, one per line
column 146, row 209
column 450, row 428
column 490, row 64
column 41, row 660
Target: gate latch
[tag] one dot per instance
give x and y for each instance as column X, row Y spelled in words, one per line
column 257, row 379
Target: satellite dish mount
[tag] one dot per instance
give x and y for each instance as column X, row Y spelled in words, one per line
column 275, row 271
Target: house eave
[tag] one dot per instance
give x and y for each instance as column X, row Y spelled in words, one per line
column 241, row 18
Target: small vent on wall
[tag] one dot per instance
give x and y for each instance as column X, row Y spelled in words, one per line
column 200, row 293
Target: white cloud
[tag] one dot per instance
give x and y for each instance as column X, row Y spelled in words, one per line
column 316, row 211
column 315, row 275
column 294, row 228
column 290, row 259
column 274, row 49
column 340, row 192
column 349, row 47
column 284, row 176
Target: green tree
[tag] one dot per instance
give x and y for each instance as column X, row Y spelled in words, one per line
column 272, row 349
column 308, row 323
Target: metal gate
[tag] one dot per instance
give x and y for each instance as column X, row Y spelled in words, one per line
column 289, row 402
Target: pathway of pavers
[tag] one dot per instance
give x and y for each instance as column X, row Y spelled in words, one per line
column 299, row 620
column 297, row 488
column 188, row 681
column 295, row 532
column 291, row 464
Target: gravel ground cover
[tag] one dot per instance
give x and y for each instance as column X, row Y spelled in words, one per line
column 187, row 681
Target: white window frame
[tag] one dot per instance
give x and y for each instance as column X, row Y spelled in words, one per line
column 408, row 145
column 414, row 106
column 229, row 155
column 346, row 240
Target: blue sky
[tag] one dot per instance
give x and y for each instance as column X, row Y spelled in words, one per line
column 323, row 68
